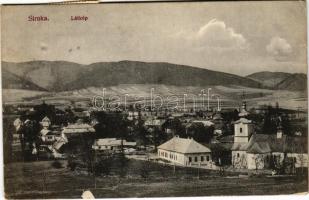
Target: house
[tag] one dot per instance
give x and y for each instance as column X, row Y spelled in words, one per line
column 154, row 123
column 112, row 144
column 45, row 122
column 184, row 151
column 17, row 124
column 76, row 128
column 132, row 115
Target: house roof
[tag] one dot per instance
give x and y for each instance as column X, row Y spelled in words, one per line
column 154, row 122
column 217, row 116
column 78, row 128
column 263, row 143
column 45, row 119
column 112, row 142
column 184, row 145
column 204, row 122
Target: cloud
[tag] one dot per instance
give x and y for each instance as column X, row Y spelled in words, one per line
column 279, row 48
column 216, row 34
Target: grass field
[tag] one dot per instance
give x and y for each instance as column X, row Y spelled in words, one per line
column 40, row 180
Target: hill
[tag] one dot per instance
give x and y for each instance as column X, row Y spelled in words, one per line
column 12, row 81
column 270, row 79
column 293, row 82
column 50, row 75
column 65, row 76
column 281, row 80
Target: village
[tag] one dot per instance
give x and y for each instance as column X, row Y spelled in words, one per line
column 269, row 140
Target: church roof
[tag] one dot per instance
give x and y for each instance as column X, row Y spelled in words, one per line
column 263, row 143
column 243, row 120
column 184, row 145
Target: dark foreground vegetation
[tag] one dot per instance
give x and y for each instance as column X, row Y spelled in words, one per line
column 50, row 179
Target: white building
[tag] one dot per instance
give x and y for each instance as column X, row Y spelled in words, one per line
column 257, row 151
column 184, row 152
column 77, row 128
column 45, row 122
column 112, row 144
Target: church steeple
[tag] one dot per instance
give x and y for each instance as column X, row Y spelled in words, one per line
column 243, row 111
column 243, row 128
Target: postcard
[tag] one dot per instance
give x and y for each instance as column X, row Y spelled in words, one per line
column 154, row 99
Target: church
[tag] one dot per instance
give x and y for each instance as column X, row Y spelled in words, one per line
column 257, row 151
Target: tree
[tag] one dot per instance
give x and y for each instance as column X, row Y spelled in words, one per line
column 200, row 133
column 158, row 136
column 111, row 125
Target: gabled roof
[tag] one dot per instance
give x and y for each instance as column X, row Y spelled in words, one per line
column 259, row 147
column 183, row 145
column 263, row 143
column 243, row 120
column 45, row 119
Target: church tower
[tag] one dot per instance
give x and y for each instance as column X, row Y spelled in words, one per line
column 243, row 128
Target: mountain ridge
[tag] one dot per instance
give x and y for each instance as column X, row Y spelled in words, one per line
column 281, row 80
column 57, row 76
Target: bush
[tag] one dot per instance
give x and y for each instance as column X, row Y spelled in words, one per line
column 103, row 167
column 56, row 164
column 145, row 170
column 72, row 165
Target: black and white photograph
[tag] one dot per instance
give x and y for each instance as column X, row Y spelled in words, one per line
column 154, row 99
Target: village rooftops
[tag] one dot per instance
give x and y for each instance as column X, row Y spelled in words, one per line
column 183, row 145
column 154, row 122
column 78, row 128
column 263, row 143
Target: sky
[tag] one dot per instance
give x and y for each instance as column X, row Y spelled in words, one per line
column 233, row 37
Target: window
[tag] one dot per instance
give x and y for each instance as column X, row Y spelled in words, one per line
column 237, row 155
column 202, row 158
column 190, row 159
column 195, row 159
column 207, row 158
column 240, row 130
